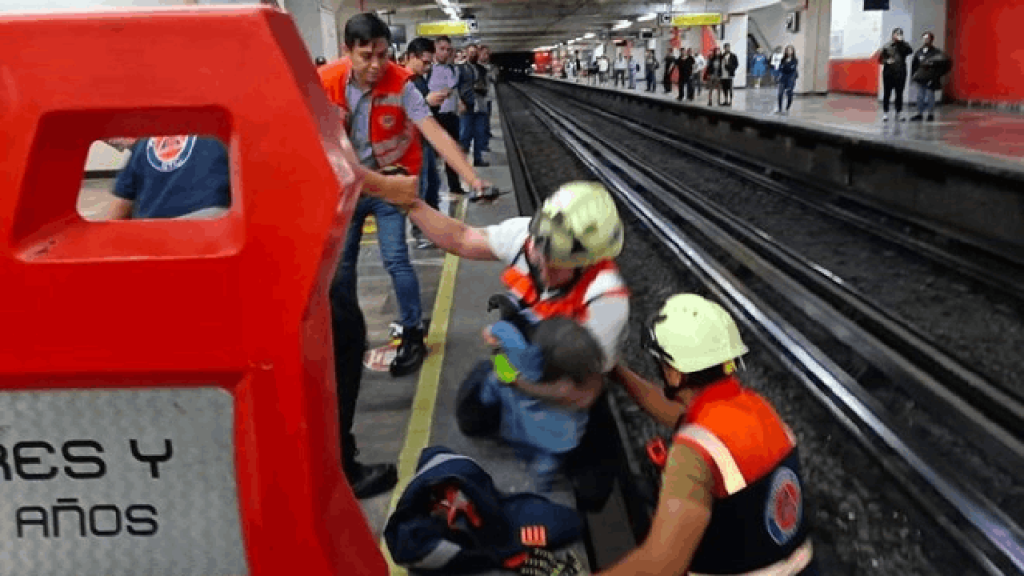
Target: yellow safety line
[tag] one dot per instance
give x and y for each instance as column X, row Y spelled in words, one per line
column 418, row 434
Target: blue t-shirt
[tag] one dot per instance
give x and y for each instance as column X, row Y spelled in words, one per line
column 171, row 176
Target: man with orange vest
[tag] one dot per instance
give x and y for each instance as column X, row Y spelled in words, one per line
column 731, row 494
column 732, row 497
column 384, row 116
column 559, row 263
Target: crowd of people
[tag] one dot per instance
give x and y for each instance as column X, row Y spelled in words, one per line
column 689, row 72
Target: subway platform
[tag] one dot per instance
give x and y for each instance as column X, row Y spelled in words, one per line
column 985, row 135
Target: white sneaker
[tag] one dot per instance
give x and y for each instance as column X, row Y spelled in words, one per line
column 885, row 118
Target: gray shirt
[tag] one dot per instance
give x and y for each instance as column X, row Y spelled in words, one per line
column 359, row 104
column 444, row 76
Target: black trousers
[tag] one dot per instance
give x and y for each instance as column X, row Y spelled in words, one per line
column 667, row 83
column 450, row 122
column 727, row 89
column 348, row 328
column 893, row 83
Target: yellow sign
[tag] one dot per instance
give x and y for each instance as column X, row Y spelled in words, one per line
column 696, row 19
column 444, row 28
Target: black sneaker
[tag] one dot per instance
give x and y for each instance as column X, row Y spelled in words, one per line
column 371, row 480
column 481, row 164
column 931, row 117
column 916, row 118
column 411, row 352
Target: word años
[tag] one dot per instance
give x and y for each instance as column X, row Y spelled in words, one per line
column 103, row 520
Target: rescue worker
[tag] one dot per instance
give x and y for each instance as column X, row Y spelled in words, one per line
column 559, row 263
column 383, row 111
column 384, row 114
column 732, row 496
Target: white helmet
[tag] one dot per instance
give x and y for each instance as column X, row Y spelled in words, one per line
column 578, row 226
column 692, row 333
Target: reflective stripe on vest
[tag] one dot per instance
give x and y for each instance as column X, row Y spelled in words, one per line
column 572, row 304
column 797, row 561
column 732, row 478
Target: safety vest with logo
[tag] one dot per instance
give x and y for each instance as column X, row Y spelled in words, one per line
column 758, row 525
column 601, row 279
column 394, row 139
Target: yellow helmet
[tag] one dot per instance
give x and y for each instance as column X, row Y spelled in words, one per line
column 692, row 333
column 578, row 226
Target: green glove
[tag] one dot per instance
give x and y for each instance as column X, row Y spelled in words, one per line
column 504, row 369
column 544, row 563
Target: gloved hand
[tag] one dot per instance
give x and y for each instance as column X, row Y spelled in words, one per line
column 544, row 563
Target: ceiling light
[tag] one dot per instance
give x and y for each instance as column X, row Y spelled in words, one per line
column 622, row 24
column 589, row 35
column 571, row 42
column 647, row 17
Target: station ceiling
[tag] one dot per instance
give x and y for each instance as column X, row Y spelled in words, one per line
column 514, row 25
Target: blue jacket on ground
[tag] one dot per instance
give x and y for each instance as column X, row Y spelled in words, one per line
column 424, row 542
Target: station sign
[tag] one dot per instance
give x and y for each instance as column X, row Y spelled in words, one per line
column 447, row 28
column 694, row 19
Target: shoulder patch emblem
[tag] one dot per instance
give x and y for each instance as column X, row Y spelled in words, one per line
column 784, row 508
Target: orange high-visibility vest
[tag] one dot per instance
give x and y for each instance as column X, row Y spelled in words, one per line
column 393, row 137
column 572, row 304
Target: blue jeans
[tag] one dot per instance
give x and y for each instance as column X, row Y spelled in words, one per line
column 925, row 99
column 430, row 181
column 473, row 128
column 393, row 252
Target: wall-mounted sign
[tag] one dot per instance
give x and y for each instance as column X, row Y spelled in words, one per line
column 447, row 28
column 697, row 19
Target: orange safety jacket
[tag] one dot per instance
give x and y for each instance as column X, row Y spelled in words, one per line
column 393, row 137
column 572, row 303
column 758, row 525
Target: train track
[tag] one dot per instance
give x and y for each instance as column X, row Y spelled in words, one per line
column 991, row 263
column 839, row 345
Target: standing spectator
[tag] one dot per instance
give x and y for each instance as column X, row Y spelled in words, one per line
column 420, row 57
column 685, row 66
column 474, row 121
column 699, row 64
column 760, row 67
column 492, row 82
column 927, row 69
column 593, row 74
column 633, row 67
column 602, row 70
column 713, row 76
column 775, row 62
column 650, row 69
column 787, row 78
column 893, row 58
column 666, row 76
column 620, row 70
column 729, row 65
column 444, row 77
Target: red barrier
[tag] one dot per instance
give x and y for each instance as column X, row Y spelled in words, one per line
column 167, row 399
